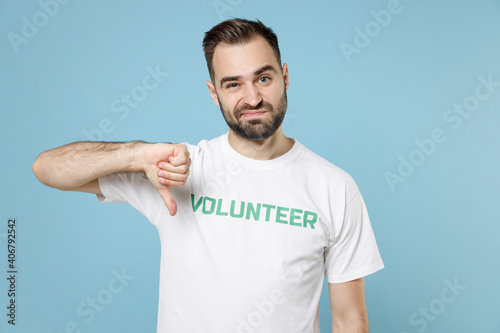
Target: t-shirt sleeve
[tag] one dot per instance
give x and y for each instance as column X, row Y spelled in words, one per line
column 135, row 189
column 353, row 252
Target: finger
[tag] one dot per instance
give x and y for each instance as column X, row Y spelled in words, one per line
column 169, row 200
column 168, row 182
column 169, row 178
column 183, row 168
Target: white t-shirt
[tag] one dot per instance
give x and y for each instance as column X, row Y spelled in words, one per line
column 248, row 247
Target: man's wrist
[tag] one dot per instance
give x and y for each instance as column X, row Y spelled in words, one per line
column 136, row 155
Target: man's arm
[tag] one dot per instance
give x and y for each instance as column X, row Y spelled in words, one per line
column 77, row 166
column 347, row 302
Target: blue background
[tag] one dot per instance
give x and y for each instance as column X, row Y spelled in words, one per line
column 362, row 112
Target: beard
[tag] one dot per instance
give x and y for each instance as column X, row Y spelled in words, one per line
column 256, row 129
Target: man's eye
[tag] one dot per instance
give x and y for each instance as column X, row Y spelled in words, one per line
column 232, row 85
column 264, row 79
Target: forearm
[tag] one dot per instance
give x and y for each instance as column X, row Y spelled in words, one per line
column 78, row 163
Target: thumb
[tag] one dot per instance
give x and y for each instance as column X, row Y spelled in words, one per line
column 168, row 199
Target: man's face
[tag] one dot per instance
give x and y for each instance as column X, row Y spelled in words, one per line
column 250, row 88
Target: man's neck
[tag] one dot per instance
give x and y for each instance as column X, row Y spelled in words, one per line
column 272, row 147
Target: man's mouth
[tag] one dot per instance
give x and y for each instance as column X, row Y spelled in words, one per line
column 252, row 113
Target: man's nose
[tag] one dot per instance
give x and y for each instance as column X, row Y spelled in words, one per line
column 252, row 96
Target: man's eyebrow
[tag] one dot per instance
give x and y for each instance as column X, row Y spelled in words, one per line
column 239, row 77
column 264, row 69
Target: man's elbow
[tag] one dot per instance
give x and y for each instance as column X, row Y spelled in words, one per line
column 40, row 170
column 350, row 324
column 37, row 168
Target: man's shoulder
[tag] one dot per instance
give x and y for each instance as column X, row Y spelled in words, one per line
column 204, row 144
column 314, row 160
column 326, row 171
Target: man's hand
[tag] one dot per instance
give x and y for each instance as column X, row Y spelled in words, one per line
column 167, row 165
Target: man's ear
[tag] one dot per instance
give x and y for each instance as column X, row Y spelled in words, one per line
column 285, row 75
column 213, row 93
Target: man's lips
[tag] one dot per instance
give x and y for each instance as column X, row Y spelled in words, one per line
column 252, row 113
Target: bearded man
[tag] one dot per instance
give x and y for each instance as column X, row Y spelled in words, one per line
column 247, row 254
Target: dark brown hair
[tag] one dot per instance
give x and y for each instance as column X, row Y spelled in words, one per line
column 234, row 32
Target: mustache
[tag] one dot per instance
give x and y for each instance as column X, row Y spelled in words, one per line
column 264, row 106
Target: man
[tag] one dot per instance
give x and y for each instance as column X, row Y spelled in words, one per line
column 248, row 222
